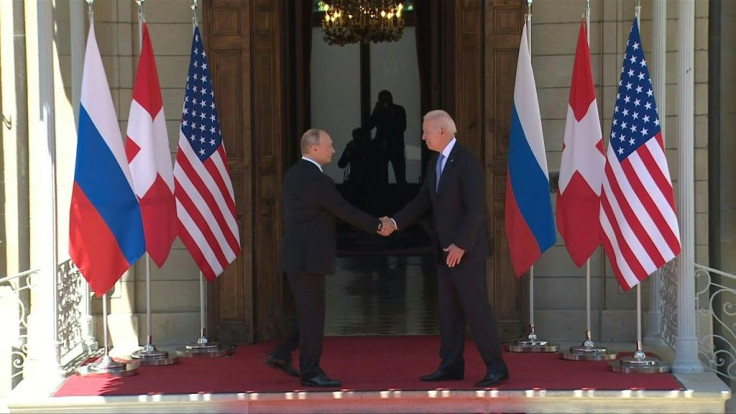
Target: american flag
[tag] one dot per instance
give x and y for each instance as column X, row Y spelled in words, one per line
column 205, row 203
column 638, row 218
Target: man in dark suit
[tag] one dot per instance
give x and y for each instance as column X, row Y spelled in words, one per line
column 389, row 119
column 453, row 189
column 311, row 203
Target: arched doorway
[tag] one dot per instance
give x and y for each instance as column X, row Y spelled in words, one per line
column 259, row 52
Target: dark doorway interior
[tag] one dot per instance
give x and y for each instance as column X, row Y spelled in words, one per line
column 381, row 286
column 382, row 295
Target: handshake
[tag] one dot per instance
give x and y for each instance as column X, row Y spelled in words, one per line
column 386, row 226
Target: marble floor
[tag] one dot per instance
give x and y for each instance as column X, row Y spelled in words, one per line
column 382, row 295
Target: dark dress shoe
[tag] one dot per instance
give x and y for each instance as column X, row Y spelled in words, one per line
column 321, row 380
column 285, row 366
column 441, row 375
column 492, row 379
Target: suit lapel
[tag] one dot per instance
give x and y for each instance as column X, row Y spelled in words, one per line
column 448, row 169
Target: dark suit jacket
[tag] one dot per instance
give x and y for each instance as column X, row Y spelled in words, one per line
column 311, row 203
column 390, row 124
column 458, row 206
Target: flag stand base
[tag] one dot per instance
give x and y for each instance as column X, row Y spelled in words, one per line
column 530, row 344
column 640, row 363
column 149, row 355
column 205, row 348
column 108, row 367
column 588, row 351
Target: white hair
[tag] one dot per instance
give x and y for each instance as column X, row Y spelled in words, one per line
column 442, row 119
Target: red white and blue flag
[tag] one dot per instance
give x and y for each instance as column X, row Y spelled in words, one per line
column 105, row 225
column 205, row 202
column 149, row 156
column 581, row 167
column 530, row 227
column 638, row 217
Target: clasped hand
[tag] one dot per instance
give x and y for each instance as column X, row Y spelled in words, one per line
column 387, row 226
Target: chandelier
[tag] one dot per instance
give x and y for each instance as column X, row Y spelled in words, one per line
column 353, row 21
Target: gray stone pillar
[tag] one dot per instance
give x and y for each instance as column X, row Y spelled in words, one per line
column 43, row 346
column 653, row 335
column 686, row 342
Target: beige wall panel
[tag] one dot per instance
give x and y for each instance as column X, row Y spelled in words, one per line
column 166, row 11
column 168, row 296
column 566, row 293
column 554, row 39
column 173, row 72
column 170, row 39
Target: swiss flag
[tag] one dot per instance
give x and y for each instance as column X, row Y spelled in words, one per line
column 583, row 161
column 149, row 157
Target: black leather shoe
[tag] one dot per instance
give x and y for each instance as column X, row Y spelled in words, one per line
column 321, row 380
column 441, row 375
column 492, row 379
column 285, row 366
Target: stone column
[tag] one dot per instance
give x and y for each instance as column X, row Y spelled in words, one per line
column 653, row 335
column 43, row 346
column 686, row 342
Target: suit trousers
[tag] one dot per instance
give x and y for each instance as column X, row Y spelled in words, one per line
column 462, row 297
column 309, row 297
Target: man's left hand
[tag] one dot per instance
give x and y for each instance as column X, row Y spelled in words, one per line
column 454, row 255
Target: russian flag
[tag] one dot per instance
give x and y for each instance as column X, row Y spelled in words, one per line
column 529, row 221
column 105, row 225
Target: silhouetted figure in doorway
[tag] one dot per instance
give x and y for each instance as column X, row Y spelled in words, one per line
column 357, row 160
column 389, row 120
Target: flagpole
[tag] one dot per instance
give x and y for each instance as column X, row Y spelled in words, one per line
column 587, row 20
column 588, row 350
column 530, row 343
column 587, row 298
column 88, row 326
column 141, row 19
column 202, row 347
column 532, row 337
column 529, row 25
column 531, row 301
column 148, row 354
column 638, row 353
column 202, row 304
column 639, row 362
column 653, row 334
column 105, row 366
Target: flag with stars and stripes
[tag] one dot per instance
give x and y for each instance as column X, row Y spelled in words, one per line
column 638, row 217
column 205, row 202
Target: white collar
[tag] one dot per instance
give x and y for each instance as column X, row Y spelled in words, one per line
column 313, row 162
column 448, row 148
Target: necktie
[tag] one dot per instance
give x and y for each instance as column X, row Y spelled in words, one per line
column 438, row 171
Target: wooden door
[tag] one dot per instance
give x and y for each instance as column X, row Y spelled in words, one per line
column 487, row 35
column 243, row 43
column 472, row 78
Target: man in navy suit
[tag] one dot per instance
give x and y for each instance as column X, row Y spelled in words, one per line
column 453, row 189
column 311, row 204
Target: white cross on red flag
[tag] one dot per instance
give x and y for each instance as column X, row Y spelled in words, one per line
column 149, row 156
column 581, row 167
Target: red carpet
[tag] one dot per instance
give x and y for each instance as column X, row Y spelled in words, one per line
column 363, row 363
